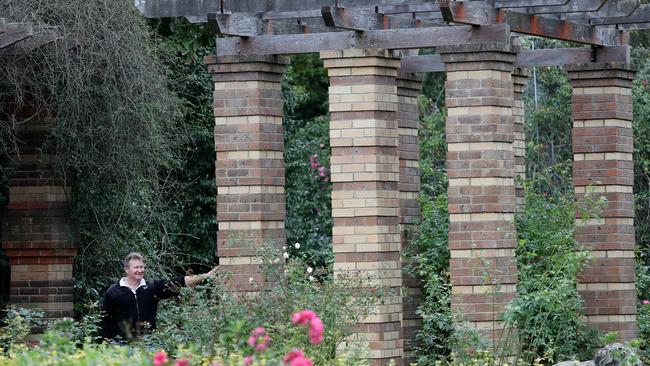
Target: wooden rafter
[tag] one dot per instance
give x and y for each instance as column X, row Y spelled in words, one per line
column 530, row 58
column 387, row 39
column 11, row 33
column 479, row 12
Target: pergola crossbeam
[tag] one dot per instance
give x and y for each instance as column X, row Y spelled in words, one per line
column 530, row 58
column 359, row 20
column 612, row 8
column 640, row 15
column 573, row 6
column 378, row 39
column 479, row 12
column 527, row 3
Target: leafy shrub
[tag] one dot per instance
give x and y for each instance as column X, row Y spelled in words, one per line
column 547, row 309
column 16, row 325
column 217, row 321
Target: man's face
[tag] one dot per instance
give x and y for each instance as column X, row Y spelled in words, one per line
column 135, row 270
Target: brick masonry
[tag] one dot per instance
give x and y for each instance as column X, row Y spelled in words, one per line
column 366, row 201
column 36, row 232
column 519, row 80
column 249, row 144
column 481, row 170
column 408, row 122
column 602, row 163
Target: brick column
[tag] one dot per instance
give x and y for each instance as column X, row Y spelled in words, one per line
column 481, row 171
column 36, row 232
column 408, row 122
column 249, row 143
column 365, row 197
column 602, row 158
column 519, row 80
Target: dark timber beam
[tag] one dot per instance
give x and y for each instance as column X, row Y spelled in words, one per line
column 11, row 33
column 197, row 10
column 572, row 6
column 254, row 6
column 479, row 13
column 612, row 8
column 43, row 35
column 360, row 20
column 527, row 3
column 387, row 39
column 640, row 15
column 530, row 58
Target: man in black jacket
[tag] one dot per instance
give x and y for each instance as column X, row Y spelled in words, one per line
column 132, row 302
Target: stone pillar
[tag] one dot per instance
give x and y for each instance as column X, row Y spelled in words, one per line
column 481, row 171
column 36, row 232
column 365, row 176
column 602, row 159
column 408, row 122
column 249, row 143
column 519, row 80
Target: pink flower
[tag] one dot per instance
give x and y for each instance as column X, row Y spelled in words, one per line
column 266, row 341
column 251, row 341
column 321, row 171
column 258, row 331
column 295, row 353
column 316, row 331
column 302, row 317
column 160, row 358
column 301, row 361
column 313, row 162
column 646, row 302
column 182, row 362
column 248, row 360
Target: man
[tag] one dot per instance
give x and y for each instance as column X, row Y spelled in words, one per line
column 132, row 302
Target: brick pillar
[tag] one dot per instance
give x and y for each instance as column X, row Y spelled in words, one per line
column 408, row 122
column 602, row 158
column 365, row 197
column 249, row 143
column 481, row 171
column 519, row 80
column 36, row 231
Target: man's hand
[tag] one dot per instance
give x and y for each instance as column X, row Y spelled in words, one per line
column 191, row 281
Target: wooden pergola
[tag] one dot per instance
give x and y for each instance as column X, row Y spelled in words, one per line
column 371, row 51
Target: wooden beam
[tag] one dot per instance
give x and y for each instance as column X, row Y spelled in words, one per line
column 387, row 39
column 362, row 20
column 573, row 6
column 634, row 26
column 640, row 15
column 11, row 33
column 237, row 24
column 43, row 35
column 416, row 8
column 254, row 6
column 527, row 3
column 194, row 10
column 530, row 58
column 612, row 8
column 479, row 13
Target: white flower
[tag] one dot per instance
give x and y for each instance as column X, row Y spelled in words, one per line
column 297, row 245
column 311, row 278
column 285, row 255
column 284, row 247
column 250, row 279
column 310, row 270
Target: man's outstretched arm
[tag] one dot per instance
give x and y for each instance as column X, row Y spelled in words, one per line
column 191, row 281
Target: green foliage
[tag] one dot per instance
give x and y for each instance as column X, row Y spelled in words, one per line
column 429, row 261
column 217, row 321
column 16, row 325
column 433, row 148
column 308, row 191
column 547, row 309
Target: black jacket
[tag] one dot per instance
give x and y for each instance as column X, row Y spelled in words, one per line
column 125, row 312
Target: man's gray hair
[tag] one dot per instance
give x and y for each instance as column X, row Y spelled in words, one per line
column 130, row 257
